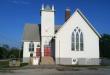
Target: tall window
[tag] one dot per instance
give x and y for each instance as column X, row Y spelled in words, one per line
column 77, row 40
column 73, row 41
column 31, row 46
column 81, row 41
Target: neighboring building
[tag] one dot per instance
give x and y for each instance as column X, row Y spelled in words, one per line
column 74, row 42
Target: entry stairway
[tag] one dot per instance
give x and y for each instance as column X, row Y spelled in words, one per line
column 47, row 60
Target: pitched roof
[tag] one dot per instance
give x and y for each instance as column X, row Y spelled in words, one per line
column 57, row 27
column 90, row 25
column 31, row 32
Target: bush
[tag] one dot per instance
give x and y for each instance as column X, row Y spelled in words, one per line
column 23, row 64
column 4, row 63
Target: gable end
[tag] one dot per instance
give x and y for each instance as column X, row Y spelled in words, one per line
column 85, row 19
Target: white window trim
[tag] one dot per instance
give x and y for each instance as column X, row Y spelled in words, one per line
column 74, row 43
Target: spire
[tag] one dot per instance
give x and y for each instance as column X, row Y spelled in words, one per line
column 42, row 6
column 53, row 7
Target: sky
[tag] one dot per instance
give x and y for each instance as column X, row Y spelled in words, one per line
column 14, row 14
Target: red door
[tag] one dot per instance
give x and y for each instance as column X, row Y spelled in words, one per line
column 47, row 51
column 38, row 52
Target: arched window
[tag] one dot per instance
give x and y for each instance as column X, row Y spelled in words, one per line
column 81, row 41
column 31, row 46
column 77, row 40
column 73, row 41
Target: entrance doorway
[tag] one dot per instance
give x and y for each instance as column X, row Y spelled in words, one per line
column 47, row 50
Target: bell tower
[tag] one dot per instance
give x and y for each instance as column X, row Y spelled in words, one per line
column 47, row 26
column 47, row 20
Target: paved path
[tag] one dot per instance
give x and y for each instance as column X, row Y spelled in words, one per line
column 78, row 71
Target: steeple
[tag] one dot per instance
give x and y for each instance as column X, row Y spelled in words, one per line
column 47, row 20
column 47, row 25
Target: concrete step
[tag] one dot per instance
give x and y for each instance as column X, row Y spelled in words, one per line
column 47, row 60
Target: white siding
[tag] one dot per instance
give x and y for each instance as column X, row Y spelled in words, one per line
column 63, row 39
column 26, row 52
column 47, row 23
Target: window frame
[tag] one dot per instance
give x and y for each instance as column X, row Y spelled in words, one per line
column 31, row 46
column 77, row 44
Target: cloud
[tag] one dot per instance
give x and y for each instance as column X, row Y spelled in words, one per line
column 20, row 2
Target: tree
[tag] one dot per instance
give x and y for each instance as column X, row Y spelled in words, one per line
column 105, row 46
column 6, row 46
column 13, row 53
column 3, row 53
column 7, row 52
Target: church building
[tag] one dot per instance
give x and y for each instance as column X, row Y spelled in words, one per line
column 75, row 42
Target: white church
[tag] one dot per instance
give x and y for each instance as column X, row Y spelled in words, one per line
column 76, row 42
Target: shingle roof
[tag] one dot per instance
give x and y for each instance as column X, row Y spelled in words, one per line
column 31, row 32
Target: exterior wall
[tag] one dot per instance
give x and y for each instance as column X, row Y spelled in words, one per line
column 63, row 42
column 80, row 61
column 26, row 52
